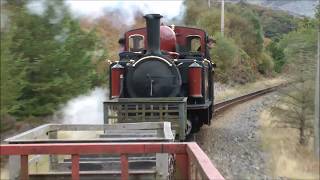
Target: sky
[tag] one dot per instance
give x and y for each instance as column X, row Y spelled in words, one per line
column 167, row 8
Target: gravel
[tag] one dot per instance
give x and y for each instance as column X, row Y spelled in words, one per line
column 233, row 143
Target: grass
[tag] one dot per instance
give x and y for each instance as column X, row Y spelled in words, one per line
column 239, row 90
column 287, row 157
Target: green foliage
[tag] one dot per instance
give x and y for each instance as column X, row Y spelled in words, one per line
column 48, row 58
column 244, row 26
column 11, row 76
column 252, row 36
column 209, row 21
column 266, row 64
column 238, row 56
column 225, row 54
column 297, row 42
column 277, row 55
column 193, row 10
column 276, row 23
column 233, row 63
column 317, row 14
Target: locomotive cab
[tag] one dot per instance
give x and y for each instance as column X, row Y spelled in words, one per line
column 162, row 61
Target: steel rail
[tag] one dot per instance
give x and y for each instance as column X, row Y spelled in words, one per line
column 221, row 106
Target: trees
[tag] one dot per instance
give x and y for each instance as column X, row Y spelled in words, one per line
column 242, row 50
column 49, row 56
column 317, row 96
column 277, row 55
column 296, row 107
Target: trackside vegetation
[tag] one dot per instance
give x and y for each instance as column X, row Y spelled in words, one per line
column 250, row 46
column 46, row 59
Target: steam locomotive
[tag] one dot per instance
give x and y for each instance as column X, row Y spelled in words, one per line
column 166, row 61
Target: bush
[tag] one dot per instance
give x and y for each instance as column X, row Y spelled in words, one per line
column 277, row 55
column 224, row 55
column 266, row 64
column 233, row 64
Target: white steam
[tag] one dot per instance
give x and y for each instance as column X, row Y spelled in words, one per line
column 84, row 109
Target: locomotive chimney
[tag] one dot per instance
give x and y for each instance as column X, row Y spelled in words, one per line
column 153, row 33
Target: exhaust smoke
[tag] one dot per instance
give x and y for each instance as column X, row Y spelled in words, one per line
column 84, row 109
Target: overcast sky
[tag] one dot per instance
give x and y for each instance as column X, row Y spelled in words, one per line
column 168, row 8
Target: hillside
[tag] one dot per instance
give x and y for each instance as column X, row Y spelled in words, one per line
column 294, row 7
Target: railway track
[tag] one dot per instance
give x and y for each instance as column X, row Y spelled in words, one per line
column 221, row 106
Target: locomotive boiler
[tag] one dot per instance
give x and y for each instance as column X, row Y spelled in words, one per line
column 162, row 61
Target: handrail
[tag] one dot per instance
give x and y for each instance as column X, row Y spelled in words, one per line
column 185, row 153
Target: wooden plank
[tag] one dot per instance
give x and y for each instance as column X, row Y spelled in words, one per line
column 147, row 100
column 92, row 148
column 128, row 131
column 94, row 172
column 35, row 135
column 31, row 134
column 167, row 131
column 97, row 140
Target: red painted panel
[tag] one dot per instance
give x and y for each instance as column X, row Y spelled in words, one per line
column 203, row 162
column 181, row 149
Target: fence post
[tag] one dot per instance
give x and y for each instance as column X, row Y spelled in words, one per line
column 53, row 163
column 75, row 167
column 105, row 113
column 24, row 175
column 182, row 120
column 14, row 166
column 183, row 166
column 162, row 165
column 124, row 167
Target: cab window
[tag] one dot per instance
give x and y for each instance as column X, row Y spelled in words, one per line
column 136, row 43
column 194, row 43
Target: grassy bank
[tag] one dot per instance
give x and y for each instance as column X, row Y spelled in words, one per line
column 287, row 158
column 228, row 92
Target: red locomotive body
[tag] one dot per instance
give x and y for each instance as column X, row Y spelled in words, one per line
column 161, row 61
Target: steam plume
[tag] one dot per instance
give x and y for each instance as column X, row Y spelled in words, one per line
column 84, row 109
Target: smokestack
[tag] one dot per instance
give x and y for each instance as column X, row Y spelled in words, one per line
column 153, row 33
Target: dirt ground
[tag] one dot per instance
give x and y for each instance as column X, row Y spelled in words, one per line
column 242, row 145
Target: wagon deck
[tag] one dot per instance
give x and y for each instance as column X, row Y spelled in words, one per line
column 105, row 155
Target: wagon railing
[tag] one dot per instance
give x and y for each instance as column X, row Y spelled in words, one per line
column 191, row 161
column 133, row 110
